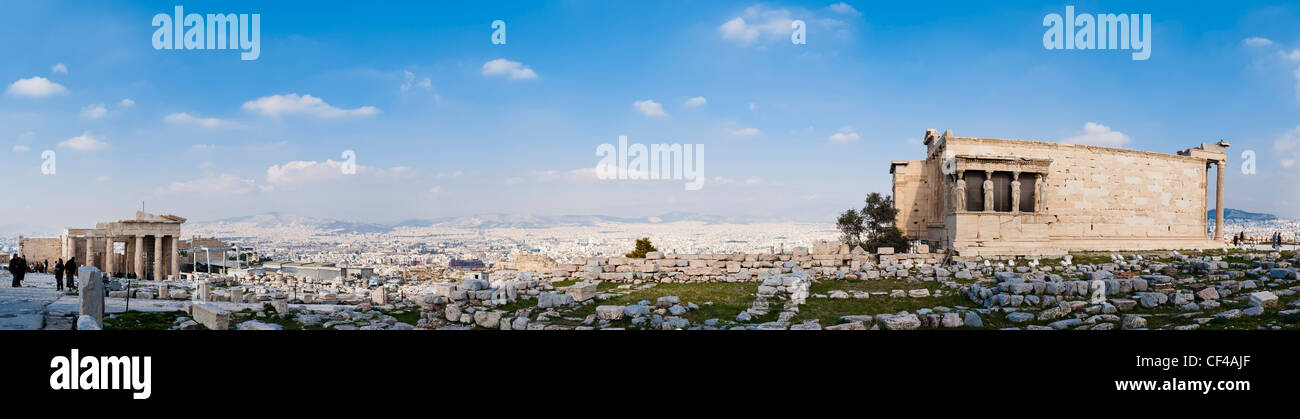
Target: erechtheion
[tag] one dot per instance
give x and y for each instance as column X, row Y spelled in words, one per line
column 989, row 196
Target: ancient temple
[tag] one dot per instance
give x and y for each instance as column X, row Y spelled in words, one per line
column 1000, row 197
column 146, row 247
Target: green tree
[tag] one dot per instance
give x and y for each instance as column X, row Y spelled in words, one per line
column 851, row 227
column 643, row 246
column 876, row 222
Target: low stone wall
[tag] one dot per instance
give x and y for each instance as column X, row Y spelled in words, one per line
column 825, row 260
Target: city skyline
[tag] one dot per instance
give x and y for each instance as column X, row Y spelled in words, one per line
column 445, row 123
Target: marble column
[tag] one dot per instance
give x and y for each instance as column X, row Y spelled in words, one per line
column 1218, row 203
column 174, row 255
column 90, row 251
column 139, row 256
column 108, row 256
column 158, row 272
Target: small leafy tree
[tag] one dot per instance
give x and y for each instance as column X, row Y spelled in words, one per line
column 851, row 227
column 876, row 222
column 643, row 246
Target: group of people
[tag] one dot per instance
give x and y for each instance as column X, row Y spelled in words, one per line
column 19, row 268
column 1275, row 239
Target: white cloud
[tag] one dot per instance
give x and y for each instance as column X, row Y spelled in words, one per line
column 844, row 136
column 753, row 106
column 435, row 189
column 755, row 23
column 1256, row 41
column 126, row 103
column 293, row 104
column 514, row 180
column 746, row 132
column 649, row 108
column 35, row 87
column 186, row 118
column 84, row 142
column 20, row 147
column 59, row 68
column 95, row 111
column 1098, row 134
column 310, row 171
column 513, row 69
column 845, row 9
column 412, row 83
column 696, row 102
column 224, row 183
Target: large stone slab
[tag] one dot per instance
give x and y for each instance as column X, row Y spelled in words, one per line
column 582, row 291
column 211, row 316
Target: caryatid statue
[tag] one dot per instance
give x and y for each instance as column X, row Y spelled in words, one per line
column 959, row 193
column 988, row 190
column 1041, row 196
column 1015, row 192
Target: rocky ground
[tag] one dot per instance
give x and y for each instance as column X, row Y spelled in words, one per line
column 1087, row 291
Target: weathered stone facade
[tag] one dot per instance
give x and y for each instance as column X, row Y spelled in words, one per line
column 145, row 247
column 998, row 197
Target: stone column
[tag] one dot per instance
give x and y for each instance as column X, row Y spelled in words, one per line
column 1218, row 203
column 90, row 251
column 174, row 255
column 158, row 272
column 139, row 256
column 108, row 256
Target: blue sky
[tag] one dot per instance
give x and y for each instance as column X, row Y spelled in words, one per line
column 410, row 87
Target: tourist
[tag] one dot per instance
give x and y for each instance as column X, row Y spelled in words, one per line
column 70, row 269
column 58, row 275
column 17, row 268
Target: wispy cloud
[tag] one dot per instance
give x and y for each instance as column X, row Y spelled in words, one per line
column 512, row 69
column 845, row 9
column 1098, row 134
column 84, row 142
column 746, row 132
column 292, row 104
column 412, row 82
column 696, row 102
column 330, row 170
column 844, row 136
column 94, row 111
column 59, row 68
column 225, row 183
column 649, row 108
column 188, row 119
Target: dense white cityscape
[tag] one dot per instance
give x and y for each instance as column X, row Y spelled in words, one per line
column 490, row 240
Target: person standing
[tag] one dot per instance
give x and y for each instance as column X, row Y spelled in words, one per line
column 70, row 271
column 14, row 263
column 18, row 268
column 58, row 275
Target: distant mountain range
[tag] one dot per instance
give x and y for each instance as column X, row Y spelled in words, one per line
column 482, row 221
column 1231, row 214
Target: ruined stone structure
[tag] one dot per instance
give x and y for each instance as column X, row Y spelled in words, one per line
column 145, row 247
column 999, row 197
